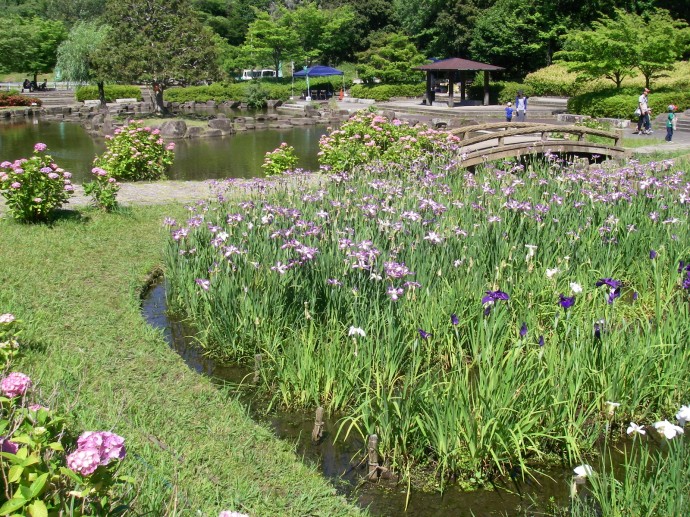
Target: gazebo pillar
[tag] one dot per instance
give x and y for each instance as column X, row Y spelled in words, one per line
column 427, row 99
column 463, row 85
column 451, row 87
column 486, row 87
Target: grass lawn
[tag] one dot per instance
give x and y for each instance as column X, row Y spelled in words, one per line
column 193, row 449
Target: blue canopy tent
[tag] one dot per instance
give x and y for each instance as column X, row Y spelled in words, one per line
column 317, row 71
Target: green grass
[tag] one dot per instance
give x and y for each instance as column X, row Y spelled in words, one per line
column 192, row 448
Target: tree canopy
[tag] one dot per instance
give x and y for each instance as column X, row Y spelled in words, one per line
column 160, row 42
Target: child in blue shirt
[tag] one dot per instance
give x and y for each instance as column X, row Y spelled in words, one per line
column 509, row 112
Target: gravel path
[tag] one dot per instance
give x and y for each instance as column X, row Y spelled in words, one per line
column 153, row 193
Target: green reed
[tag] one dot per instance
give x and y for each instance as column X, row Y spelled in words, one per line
column 474, row 398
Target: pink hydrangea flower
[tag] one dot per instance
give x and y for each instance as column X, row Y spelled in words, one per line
column 16, row 185
column 84, row 461
column 8, row 446
column 110, row 446
column 40, row 147
column 37, row 407
column 38, row 200
column 7, row 318
column 15, row 384
column 230, row 513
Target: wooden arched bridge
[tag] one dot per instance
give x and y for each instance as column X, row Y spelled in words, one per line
column 482, row 143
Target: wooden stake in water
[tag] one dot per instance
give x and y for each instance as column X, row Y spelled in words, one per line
column 257, row 367
column 317, row 432
column 372, row 446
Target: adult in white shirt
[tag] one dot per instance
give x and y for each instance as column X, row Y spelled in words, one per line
column 643, row 121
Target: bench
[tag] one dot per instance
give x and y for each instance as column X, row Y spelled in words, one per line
column 92, row 102
column 125, row 101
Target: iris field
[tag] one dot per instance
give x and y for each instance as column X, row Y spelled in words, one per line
column 479, row 322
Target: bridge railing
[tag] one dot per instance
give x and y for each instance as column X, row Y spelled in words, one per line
column 501, row 130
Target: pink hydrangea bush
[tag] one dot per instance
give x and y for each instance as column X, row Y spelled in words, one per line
column 35, row 187
column 280, row 160
column 136, row 153
column 36, row 469
column 103, row 189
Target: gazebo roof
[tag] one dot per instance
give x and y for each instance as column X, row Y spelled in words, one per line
column 456, row 63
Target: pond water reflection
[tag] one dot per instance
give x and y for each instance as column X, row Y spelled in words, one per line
column 235, row 156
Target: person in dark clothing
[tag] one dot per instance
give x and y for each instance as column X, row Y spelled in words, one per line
column 26, row 85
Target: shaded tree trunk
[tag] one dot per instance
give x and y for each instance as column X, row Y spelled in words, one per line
column 101, row 93
column 158, row 94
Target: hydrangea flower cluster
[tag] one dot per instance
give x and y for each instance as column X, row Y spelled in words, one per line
column 95, row 449
column 35, row 187
column 15, row 384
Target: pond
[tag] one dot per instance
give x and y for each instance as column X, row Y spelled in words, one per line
column 341, row 461
column 235, row 156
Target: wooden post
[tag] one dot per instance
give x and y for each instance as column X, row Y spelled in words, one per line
column 500, row 141
column 257, row 368
column 317, row 432
column 373, row 462
column 463, row 85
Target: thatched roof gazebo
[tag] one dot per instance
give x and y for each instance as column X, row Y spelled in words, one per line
column 455, row 66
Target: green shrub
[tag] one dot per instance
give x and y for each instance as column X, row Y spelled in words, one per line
column 385, row 92
column 112, row 92
column 622, row 103
column 280, row 160
column 500, row 92
column 14, row 98
column 557, row 81
column 136, row 153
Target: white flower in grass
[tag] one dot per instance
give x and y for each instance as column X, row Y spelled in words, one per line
column 356, row 331
column 683, row 415
column 583, row 471
column 669, row 430
column 633, row 428
column 434, row 238
column 575, row 287
column 611, row 406
column 531, row 248
column 550, row 273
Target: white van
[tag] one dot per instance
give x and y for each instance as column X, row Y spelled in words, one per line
column 248, row 75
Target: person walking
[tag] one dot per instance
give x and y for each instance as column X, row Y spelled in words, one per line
column 521, row 106
column 670, row 122
column 509, row 112
column 644, row 126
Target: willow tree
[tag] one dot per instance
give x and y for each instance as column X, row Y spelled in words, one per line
column 158, row 42
column 76, row 55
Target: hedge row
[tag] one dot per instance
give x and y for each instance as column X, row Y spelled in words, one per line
column 14, row 98
column 112, row 92
column 219, row 92
column 385, row 92
column 500, row 92
column 622, row 103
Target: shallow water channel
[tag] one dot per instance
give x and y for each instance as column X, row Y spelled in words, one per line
column 233, row 156
column 338, row 461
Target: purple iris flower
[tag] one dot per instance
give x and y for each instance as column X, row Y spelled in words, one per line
column 523, row 329
column 635, row 295
column 615, row 293
column 686, row 283
column 608, row 281
column 493, row 296
column 541, row 340
column 454, row 320
column 423, row 334
column 566, row 301
column 652, row 254
column 597, row 330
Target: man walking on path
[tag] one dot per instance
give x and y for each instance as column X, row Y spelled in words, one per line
column 521, row 106
column 643, row 121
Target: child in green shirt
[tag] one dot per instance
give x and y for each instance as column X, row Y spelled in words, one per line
column 670, row 122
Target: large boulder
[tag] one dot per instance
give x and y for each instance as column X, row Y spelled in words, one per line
column 224, row 124
column 173, row 128
column 195, row 132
